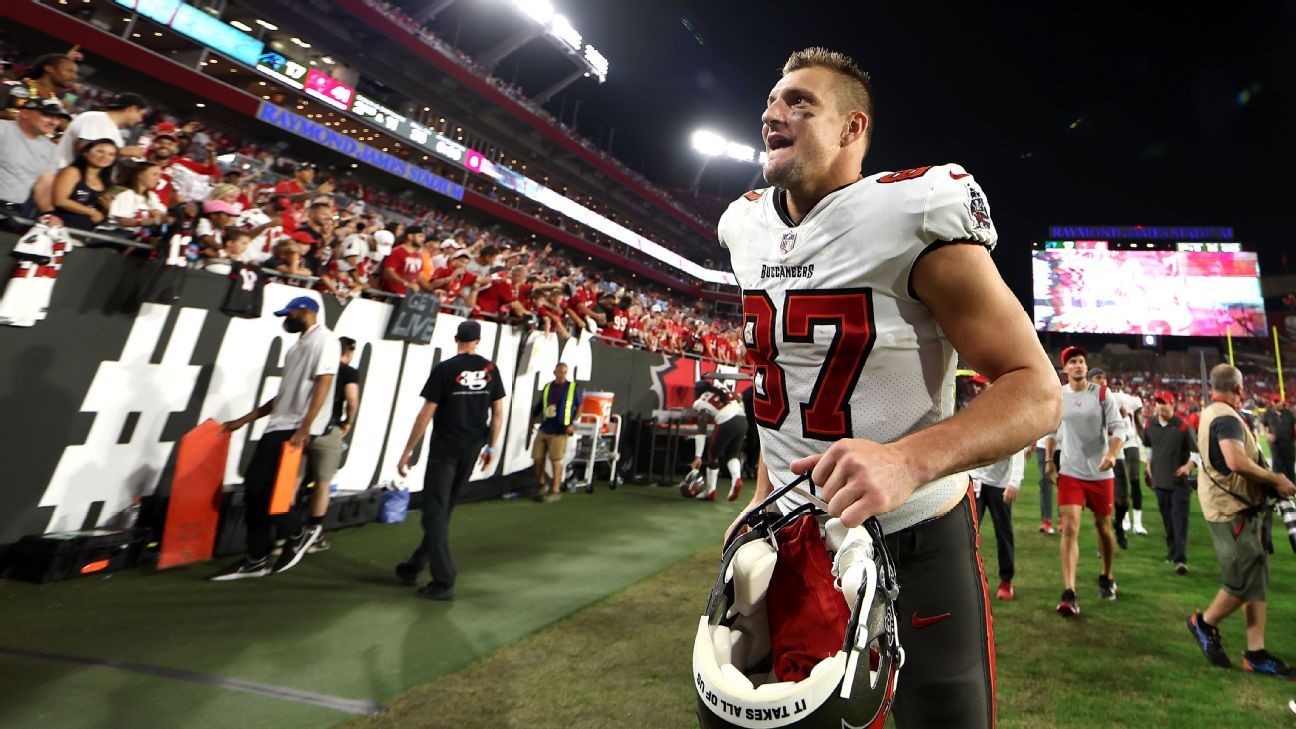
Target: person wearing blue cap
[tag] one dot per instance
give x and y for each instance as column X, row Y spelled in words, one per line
column 297, row 414
column 460, row 393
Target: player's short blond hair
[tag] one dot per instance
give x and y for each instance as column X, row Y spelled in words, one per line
column 855, row 89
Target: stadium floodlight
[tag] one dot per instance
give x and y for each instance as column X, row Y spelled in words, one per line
column 241, row 26
column 540, row 11
column 563, row 30
column 597, row 61
column 708, row 143
column 740, row 152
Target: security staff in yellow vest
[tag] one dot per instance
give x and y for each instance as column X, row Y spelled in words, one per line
column 560, row 404
column 1233, row 486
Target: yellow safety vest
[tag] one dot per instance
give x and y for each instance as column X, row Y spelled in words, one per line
column 567, row 405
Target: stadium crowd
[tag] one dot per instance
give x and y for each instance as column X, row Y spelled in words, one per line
column 204, row 199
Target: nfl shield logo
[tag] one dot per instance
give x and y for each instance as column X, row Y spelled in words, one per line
column 788, row 242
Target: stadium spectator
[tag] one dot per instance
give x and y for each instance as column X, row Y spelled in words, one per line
column 263, row 225
column 235, row 250
column 298, row 190
column 1171, row 445
column 559, row 406
column 288, row 260
column 401, row 267
column 228, row 193
column 1098, row 377
column 318, row 232
column 51, row 76
column 137, row 205
column 124, row 111
column 1280, row 429
column 210, row 231
column 27, row 156
column 498, row 298
column 461, row 393
column 298, row 413
column 325, row 452
column 1234, row 488
column 78, row 186
column 347, row 274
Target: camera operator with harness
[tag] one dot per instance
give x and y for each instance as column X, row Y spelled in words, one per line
column 1234, row 487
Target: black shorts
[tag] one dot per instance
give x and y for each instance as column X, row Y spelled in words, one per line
column 943, row 611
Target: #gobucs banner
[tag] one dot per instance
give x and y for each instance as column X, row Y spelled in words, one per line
column 99, row 395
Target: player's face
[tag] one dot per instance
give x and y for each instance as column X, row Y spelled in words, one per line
column 801, row 127
column 1077, row 368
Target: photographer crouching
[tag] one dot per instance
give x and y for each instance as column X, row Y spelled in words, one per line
column 1234, row 488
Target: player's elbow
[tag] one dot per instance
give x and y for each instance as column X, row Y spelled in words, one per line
column 1048, row 415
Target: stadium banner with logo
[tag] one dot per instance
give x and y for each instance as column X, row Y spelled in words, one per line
column 98, row 395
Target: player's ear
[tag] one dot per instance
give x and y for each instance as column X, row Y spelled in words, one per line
column 857, row 124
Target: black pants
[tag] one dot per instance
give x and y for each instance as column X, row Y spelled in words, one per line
column 446, row 474
column 1133, row 467
column 1046, row 485
column 258, row 485
column 726, row 441
column 945, row 626
column 992, row 498
column 1174, row 505
column 1284, row 459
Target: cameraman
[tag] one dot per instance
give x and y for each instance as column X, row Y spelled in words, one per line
column 1234, row 486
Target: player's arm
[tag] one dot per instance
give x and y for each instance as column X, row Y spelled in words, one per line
column 985, row 323
column 420, row 426
column 1116, row 437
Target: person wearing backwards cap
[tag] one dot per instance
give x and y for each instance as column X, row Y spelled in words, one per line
column 996, row 487
column 1092, row 432
column 1173, row 448
column 461, row 394
column 298, row 413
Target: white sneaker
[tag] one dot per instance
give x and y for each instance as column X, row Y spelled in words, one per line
column 1138, row 523
column 1125, row 523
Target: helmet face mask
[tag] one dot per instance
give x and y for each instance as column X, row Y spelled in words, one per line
column 692, row 484
column 732, row 661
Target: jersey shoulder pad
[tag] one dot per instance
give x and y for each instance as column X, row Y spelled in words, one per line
column 956, row 208
column 902, row 175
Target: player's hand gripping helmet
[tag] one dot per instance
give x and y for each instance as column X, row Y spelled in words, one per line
column 731, row 654
column 692, row 484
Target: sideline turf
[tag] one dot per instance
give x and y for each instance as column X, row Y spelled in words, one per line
column 339, row 623
column 1131, row 663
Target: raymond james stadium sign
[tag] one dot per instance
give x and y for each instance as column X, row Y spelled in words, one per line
column 1141, row 232
column 340, row 142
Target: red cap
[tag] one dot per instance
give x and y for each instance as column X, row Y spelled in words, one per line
column 980, row 379
column 1072, row 351
column 164, row 129
column 1164, row 396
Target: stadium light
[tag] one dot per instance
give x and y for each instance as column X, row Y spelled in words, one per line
column 708, row 143
column 597, row 61
column 540, row 11
column 740, row 152
column 563, row 30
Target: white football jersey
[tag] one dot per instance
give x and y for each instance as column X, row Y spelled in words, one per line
column 843, row 348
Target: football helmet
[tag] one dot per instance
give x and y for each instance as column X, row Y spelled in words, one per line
column 692, row 484
column 732, row 662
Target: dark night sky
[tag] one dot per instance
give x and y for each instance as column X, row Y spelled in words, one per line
column 1081, row 115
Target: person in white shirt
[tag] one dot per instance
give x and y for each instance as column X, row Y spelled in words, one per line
column 996, row 487
column 1091, row 434
column 298, row 413
column 126, row 110
column 138, row 205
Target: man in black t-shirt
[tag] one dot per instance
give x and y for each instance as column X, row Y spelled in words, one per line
column 324, row 454
column 1172, row 443
column 461, row 393
column 1280, row 427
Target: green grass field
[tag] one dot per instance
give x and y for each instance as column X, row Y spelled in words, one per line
column 581, row 614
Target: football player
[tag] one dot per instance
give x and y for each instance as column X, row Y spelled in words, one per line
column 857, row 291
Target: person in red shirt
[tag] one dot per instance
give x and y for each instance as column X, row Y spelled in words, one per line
column 401, row 268
column 499, row 297
column 452, row 281
column 617, row 321
column 298, row 190
column 580, row 305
